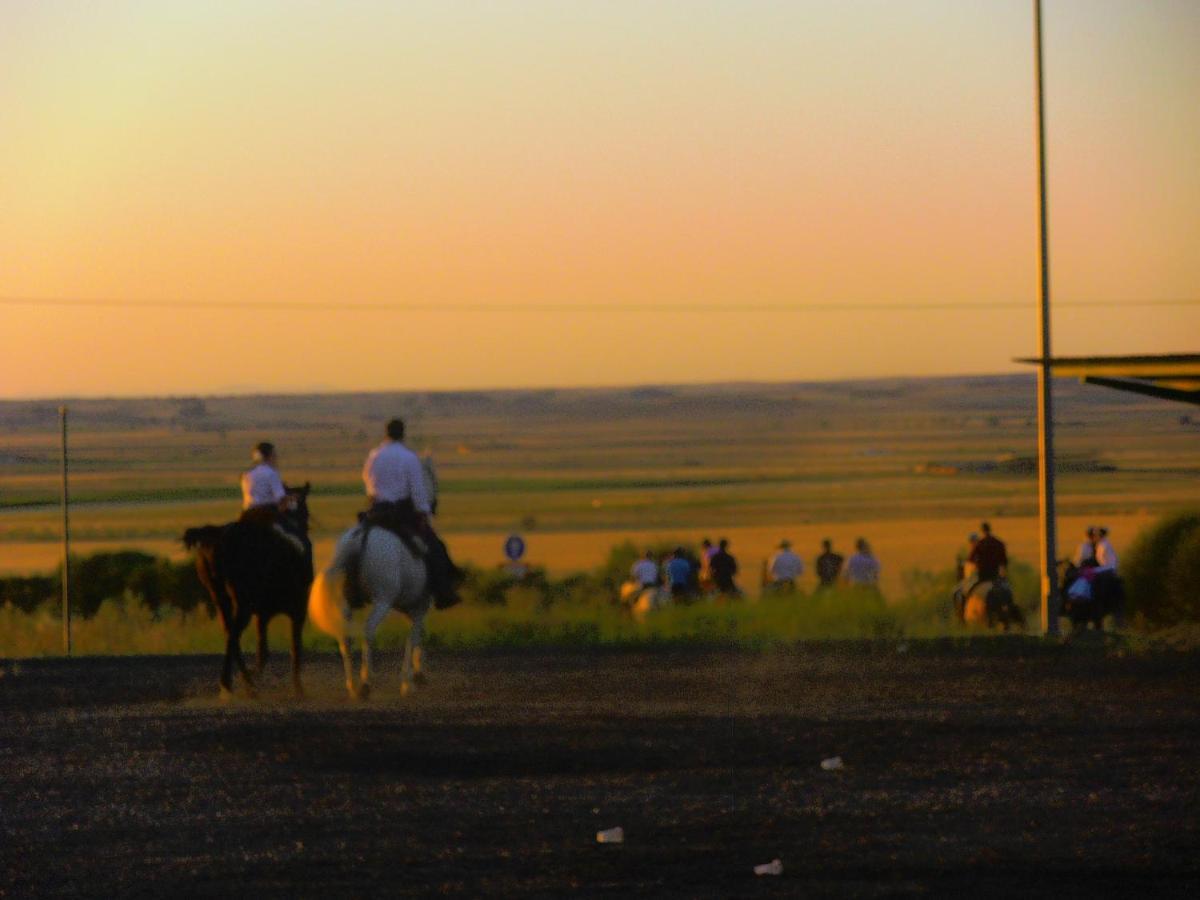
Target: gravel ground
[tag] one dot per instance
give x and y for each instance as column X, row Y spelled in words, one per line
column 990, row 767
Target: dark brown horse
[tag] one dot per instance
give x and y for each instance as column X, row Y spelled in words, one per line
column 257, row 571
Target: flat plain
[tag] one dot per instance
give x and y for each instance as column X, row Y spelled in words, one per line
column 910, row 464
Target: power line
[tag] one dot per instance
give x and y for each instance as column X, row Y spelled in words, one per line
column 569, row 308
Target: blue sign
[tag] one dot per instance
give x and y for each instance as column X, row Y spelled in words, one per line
column 514, row 547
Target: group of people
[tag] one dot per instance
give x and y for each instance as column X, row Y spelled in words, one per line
column 714, row 568
column 399, row 496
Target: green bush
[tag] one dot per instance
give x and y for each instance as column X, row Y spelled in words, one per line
column 1162, row 568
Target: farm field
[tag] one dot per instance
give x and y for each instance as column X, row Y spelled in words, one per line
column 996, row 767
column 912, row 465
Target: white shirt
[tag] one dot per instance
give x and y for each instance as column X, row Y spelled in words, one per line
column 786, row 566
column 862, row 569
column 262, row 486
column 1086, row 551
column 1105, row 554
column 644, row 571
column 393, row 472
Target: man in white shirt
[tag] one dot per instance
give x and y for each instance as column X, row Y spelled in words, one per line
column 393, row 473
column 785, row 567
column 400, row 500
column 645, row 570
column 1106, row 556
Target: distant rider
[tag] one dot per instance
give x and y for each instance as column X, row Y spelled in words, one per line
column 784, row 568
column 862, row 569
column 1085, row 555
column 724, row 566
column 645, row 571
column 265, row 499
column 829, row 566
column 679, row 574
column 990, row 558
column 400, row 500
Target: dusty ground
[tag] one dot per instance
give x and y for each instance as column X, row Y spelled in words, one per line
column 995, row 768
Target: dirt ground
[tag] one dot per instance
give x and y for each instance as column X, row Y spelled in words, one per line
column 994, row 767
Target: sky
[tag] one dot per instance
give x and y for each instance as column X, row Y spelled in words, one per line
column 676, row 171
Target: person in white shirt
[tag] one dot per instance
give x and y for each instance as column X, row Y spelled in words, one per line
column 401, row 501
column 393, row 473
column 785, row 567
column 862, row 569
column 265, row 498
column 261, row 485
column 645, row 570
column 1106, row 556
column 1087, row 548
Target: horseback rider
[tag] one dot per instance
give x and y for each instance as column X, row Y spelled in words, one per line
column 989, row 555
column 401, row 502
column 265, row 499
column 1085, row 555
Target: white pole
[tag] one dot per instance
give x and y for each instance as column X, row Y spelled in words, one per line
column 1049, row 567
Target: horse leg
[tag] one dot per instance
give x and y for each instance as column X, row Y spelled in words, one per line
column 297, row 632
column 263, row 651
column 233, row 648
column 233, row 655
column 411, row 673
column 378, row 613
column 347, row 665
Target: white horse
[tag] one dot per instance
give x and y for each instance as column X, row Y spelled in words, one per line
column 391, row 577
column 642, row 601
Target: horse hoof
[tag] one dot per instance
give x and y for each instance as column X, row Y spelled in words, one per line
column 406, row 688
column 225, row 695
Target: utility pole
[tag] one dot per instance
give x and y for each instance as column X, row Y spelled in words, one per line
column 1049, row 568
column 66, row 539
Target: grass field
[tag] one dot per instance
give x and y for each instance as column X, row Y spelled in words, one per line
column 579, row 471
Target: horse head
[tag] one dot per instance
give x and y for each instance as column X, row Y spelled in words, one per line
column 298, row 510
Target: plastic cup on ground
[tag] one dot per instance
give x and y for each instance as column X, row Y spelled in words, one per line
column 611, row 836
column 832, row 764
column 774, row 867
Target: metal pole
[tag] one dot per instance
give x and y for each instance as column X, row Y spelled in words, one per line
column 66, row 537
column 1049, row 567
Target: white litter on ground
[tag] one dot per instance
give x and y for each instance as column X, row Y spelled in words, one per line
column 774, row 867
column 832, row 764
column 611, row 836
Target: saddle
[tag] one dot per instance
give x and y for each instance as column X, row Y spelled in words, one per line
column 401, row 519
column 270, row 520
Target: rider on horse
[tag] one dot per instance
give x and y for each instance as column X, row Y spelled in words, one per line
column 401, row 502
column 265, row 499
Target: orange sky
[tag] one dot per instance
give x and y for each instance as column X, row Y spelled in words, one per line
column 610, row 154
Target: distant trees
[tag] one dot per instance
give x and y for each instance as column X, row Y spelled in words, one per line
column 127, row 576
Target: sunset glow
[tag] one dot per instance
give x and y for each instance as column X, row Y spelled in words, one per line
column 542, row 154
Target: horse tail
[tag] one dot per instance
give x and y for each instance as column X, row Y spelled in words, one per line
column 327, row 607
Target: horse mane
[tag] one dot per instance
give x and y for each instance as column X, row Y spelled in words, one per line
column 205, row 536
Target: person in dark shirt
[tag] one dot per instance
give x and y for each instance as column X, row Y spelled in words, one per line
column 989, row 556
column 829, row 566
column 723, row 567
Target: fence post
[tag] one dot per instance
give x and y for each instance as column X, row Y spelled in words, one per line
column 66, row 539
